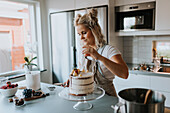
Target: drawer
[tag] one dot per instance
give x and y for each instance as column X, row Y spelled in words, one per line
column 134, row 80
column 160, row 83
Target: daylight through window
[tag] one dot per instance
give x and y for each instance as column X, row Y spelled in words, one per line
column 16, row 39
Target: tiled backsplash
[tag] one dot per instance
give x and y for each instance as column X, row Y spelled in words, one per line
column 139, row 49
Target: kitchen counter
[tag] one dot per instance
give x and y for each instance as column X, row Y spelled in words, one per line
column 55, row 104
column 144, row 72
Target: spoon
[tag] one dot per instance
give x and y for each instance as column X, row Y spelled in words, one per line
column 148, row 97
column 89, row 57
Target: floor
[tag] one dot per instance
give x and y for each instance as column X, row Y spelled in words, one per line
column 167, row 110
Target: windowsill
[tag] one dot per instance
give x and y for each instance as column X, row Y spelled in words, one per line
column 18, row 75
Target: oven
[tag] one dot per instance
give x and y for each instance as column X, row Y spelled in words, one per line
column 135, row 17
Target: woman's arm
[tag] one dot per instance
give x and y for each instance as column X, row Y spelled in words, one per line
column 116, row 65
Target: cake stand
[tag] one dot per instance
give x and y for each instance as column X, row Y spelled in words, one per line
column 82, row 103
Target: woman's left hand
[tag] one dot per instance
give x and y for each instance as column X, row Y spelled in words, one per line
column 90, row 51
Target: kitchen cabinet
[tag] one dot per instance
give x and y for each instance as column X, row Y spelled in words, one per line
column 162, row 21
column 127, row 2
column 59, row 5
column 133, row 81
column 63, row 5
column 90, row 3
column 161, row 84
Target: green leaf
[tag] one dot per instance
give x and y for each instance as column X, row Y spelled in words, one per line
column 33, row 59
column 26, row 59
column 33, row 64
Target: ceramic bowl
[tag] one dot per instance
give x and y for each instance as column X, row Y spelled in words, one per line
column 9, row 92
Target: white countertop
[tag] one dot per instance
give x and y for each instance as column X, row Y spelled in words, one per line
column 55, row 104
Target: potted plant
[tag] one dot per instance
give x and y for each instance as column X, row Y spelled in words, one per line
column 28, row 63
column 32, row 77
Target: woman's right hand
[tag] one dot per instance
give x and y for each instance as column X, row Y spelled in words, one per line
column 66, row 84
column 90, row 51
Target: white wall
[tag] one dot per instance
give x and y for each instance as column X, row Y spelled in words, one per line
column 47, row 75
column 113, row 40
column 138, row 50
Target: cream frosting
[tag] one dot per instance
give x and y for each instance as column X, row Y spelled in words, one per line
column 83, row 84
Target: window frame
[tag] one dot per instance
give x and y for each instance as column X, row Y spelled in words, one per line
column 36, row 31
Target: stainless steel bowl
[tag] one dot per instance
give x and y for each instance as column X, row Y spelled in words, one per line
column 132, row 101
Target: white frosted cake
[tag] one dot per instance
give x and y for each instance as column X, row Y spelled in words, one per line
column 81, row 84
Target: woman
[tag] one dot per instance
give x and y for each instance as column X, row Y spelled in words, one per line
column 107, row 61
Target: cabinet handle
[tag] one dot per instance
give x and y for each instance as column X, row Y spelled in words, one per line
column 134, row 7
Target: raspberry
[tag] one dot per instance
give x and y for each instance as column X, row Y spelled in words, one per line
column 12, row 85
column 76, row 71
column 8, row 83
column 16, row 85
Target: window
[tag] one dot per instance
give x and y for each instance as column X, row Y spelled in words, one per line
column 17, row 35
column 162, row 49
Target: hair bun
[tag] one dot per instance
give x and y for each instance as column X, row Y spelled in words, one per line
column 77, row 19
column 92, row 12
column 78, row 16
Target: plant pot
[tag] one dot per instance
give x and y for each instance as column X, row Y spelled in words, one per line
column 33, row 80
column 28, row 68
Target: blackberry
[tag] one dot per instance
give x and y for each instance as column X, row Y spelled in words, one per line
column 47, row 94
column 37, row 93
column 43, row 95
column 27, row 93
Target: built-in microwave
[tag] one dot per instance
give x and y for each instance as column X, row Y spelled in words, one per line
column 135, row 17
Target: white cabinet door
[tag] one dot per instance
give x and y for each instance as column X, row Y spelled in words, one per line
column 127, row 2
column 162, row 15
column 133, row 81
column 160, row 83
column 90, row 3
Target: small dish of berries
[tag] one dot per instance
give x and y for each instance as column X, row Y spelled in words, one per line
column 9, row 89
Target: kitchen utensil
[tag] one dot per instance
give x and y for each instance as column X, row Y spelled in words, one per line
column 51, row 88
column 132, row 101
column 148, row 96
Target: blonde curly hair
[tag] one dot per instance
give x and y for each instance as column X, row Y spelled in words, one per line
column 90, row 20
